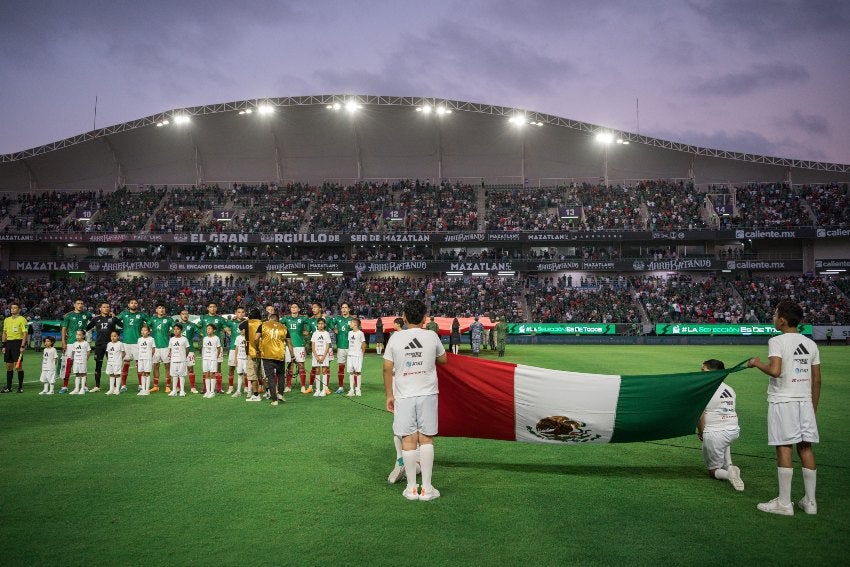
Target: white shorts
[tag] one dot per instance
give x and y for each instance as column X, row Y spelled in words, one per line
column 354, row 364
column 231, row 358
column 113, row 368
column 324, row 364
column 131, row 351
column 209, row 365
column 415, row 414
column 144, row 366
column 788, row 423
column 300, row 354
column 48, row 376
column 342, row 356
column 178, row 369
column 241, row 366
column 80, row 368
column 160, row 355
column 715, row 447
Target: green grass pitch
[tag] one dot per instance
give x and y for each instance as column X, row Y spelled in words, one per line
column 98, row 480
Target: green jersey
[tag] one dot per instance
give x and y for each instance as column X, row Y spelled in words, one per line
column 217, row 320
column 295, row 326
column 74, row 322
column 233, row 325
column 339, row 325
column 190, row 331
column 161, row 330
column 132, row 322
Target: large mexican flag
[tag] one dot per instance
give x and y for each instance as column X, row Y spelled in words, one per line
column 498, row 400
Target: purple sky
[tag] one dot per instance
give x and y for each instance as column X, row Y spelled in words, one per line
column 769, row 77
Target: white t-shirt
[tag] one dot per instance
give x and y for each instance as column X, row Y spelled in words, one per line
column 48, row 359
column 798, row 354
column 241, row 348
column 322, row 341
column 720, row 412
column 355, row 343
column 146, row 347
column 413, row 353
column 177, row 348
column 81, row 351
column 115, row 352
column 210, row 346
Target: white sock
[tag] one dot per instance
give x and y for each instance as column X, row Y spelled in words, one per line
column 722, row 474
column 51, row 387
column 182, row 383
column 76, row 383
column 426, row 463
column 784, row 475
column 410, row 467
column 810, row 477
column 397, row 443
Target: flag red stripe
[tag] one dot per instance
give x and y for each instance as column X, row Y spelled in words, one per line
column 476, row 398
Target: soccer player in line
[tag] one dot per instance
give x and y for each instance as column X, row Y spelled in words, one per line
column 718, row 429
column 161, row 325
column 793, row 393
column 190, row 331
column 14, row 345
column 321, row 349
column 48, row 367
column 272, row 342
column 241, row 361
column 410, row 382
column 210, row 353
column 220, row 323
column 252, row 363
column 114, row 351
column 74, row 321
column 132, row 320
column 178, row 352
column 145, row 348
column 341, row 326
column 356, row 351
column 297, row 355
column 103, row 324
column 232, row 356
column 81, row 351
column 310, row 328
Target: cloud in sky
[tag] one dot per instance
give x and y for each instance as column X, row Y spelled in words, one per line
column 756, row 77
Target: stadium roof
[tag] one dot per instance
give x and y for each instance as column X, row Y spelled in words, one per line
column 349, row 137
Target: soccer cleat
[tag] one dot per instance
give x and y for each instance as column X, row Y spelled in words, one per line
column 317, row 393
column 236, row 395
column 172, row 394
column 810, row 507
column 145, row 393
column 41, row 393
column 340, row 390
column 274, row 403
column 430, row 494
column 303, row 390
column 776, row 507
column 230, row 390
column 64, row 390
column 327, row 391
column 123, row 389
column 254, row 398
column 357, row 392
column 309, row 390
column 411, row 492
column 73, row 392
column 85, row 390
column 95, row 389
column 182, row 394
column 140, row 393
column 350, row 393
column 287, row 389
column 735, row 478
column 109, row 393
column 167, row 390
column 5, row 390
column 194, row 390
column 154, row 389
column 397, row 473
column 20, row 390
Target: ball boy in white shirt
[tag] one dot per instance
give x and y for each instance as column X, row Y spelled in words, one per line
column 144, row 359
column 321, row 351
column 354, row 362
column 178, row 353
column 80, row 354
column 115, row 353
column 241, row 350
column 48, row 366
column 718, row 429
column 210, row 353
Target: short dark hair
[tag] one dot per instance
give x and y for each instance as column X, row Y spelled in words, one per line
column 178, row 326
column 158, row 305
column 51, row 339
column 321, row 320
column 214, row 328
column 790, row 311
column 399, row 321
column 414, row 310
column 356, row 320
column 714, row 364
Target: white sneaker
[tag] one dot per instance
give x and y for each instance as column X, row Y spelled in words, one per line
column 230, row 390
column 340, row 390
column 735, row 478
column 357, row 392
column 236, row 395
column 254, row 399
column 430, row 494
column 287, row 389
column 109, row 393
column 810, row 507
column 411, row 493
column 172, row 394
column 194, row 390
column 95, row 389
column 182, row 394
column 303, row 390
column 74, row 392
column 396, row 474
column 776, row 507
column 350, row 393
column 318, row 393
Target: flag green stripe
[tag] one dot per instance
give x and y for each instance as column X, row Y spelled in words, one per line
column 663, row 405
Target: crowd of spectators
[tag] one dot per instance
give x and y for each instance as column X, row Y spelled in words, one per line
column 596, row 300
column 770, row 205
column 830, row 204
column 271, row 208
column 46, row 211
column 350, row 208
column 470, row 296
column 671, row 205
column 525, row 208
column 683, row 298
column 126, row 211
column 608, row 207
column 823, row 302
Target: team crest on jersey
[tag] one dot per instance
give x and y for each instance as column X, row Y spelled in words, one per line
column 563, row 429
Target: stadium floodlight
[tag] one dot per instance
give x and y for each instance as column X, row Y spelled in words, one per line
column 247, row 111
column 334, row 106
column 426, row 109
column 352, row 106
column 181, row 119
column 312, row 274
column 265, row 109
column 454, row 273
column 76, row 272
column 604, row 138
column 517, row 119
